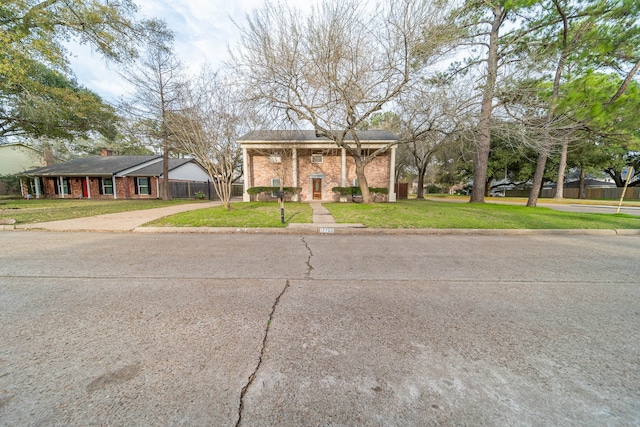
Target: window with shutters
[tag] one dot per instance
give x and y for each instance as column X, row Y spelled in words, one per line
column 106, row 186
column 143, row 186
column 66, row 183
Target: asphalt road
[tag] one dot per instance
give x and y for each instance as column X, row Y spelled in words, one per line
column 137, row 329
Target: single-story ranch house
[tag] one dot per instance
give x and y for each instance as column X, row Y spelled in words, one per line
column 109, row 177
column 314, row 164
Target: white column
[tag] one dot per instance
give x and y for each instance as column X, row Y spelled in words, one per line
column 245, row 171
column 164, row 182
column 294, row 161
column 113, row 182
column 22, row 188
column 37, row 183
column 344, row 168
column 60, row 187
column 392, row 175
column 88, row 188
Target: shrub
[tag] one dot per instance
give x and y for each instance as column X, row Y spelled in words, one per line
column 265, row 193
column 434, row 189
column 11, row 183
column 355, row 191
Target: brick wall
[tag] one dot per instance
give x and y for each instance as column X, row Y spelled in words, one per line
column 262, row 171
column 125, row 188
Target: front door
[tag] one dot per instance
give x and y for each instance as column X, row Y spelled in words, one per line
column 85, row 187
column 316, row 184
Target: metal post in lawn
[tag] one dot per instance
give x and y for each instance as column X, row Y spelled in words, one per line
column 281, row 200
column 626, row 184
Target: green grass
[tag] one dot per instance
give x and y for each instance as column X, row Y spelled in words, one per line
column 403, row 214
column 430, row 214
column 253, row 215
column 42, row 210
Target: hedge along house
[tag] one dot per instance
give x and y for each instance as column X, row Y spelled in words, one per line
column 109, row 177
column 315, row 165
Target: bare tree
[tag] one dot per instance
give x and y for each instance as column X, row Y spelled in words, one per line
column 430, row 119
column 333, row 69
column 157, row 79
column 207, row 127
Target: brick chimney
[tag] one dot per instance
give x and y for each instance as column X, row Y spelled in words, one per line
column 105, row 152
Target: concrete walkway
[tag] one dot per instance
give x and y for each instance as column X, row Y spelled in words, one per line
column 322, row 220
column 121, row 221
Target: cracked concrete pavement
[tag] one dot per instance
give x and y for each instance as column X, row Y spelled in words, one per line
column 176, row 329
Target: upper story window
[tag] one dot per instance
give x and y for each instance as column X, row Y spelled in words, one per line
column 316, row 157
column 275, row 158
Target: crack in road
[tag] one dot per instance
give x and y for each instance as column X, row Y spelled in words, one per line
column 252, row 377
column 309, row 266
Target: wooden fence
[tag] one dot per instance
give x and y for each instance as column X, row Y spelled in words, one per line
column 610, row 193
column 194, row 189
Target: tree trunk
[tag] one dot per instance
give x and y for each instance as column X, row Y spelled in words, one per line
column 362, row 180
column 536, row 187
column 420, row 190
column 582, row 191
column 547, row 143
column 561, row 169
column 484, row 126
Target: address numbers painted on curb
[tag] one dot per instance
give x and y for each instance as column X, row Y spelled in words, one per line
column 325, row 230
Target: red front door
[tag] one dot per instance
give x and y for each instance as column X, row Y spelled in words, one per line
column 316, row 184
column 85, row 188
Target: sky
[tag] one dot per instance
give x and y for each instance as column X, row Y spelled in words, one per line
column 204, row 29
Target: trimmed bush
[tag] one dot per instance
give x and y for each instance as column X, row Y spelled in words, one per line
column 265, row 193
column 355, row 191
column 356, row 194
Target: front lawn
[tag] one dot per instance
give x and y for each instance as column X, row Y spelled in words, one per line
column 244, row 215
column 43, row 210
column 430, row 214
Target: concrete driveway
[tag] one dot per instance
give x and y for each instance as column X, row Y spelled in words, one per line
column 174, row 329
column 120, row 221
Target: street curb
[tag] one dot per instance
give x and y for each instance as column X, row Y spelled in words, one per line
column 311, row 229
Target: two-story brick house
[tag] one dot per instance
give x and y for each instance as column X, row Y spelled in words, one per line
column 299, row 158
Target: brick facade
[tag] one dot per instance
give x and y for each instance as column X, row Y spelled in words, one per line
column 307, row 159
column 125, row 188
column 262, row 171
